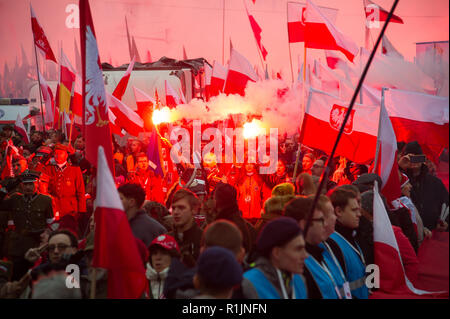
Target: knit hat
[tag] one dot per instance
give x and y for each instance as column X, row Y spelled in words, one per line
column 366, row 181
column 404, row 180
column 166, row 242
column 275, row 204
column 218, row 267
column 283, row 189
column 225, row 195
column 277, row 233
column 413, row 148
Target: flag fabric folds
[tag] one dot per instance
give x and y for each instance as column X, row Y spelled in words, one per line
column 121, row 87
column 218, row 77
column 145, row 104
column 66, row 83
column 126, row 118
column 325, row 114
column 95, row 108
column 40, row 40
column 20, row 128
column 115, row 247
column 419, row 117
column 172, row 98
column 48, row 100
column 373, row 8
column 320, row 33
column 240, row 71
column 257, row 33
column 388, row 49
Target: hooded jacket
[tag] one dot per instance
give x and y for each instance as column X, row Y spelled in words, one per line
column 156, row 281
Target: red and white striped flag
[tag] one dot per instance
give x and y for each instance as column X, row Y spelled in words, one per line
column 115, row 129
column 256, row 32
column 20, row 128
column 218, row 77
column 323, row 119
column 126, row 118
column 172, row 98
column 419, row 117
column 115, row 247
column 121, row 87
column 40, row 40
column 320, row 33
column 240, row 71
column 208, row 75
column 145, row 104
column 296, row 20
column 377, row 14
column 95, row 119
column 388, row 49
column 48, row 100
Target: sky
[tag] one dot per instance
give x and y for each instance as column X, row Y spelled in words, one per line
column 163, row 27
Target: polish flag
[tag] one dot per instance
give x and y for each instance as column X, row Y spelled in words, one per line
column 240, row 71
column 208, row 75
column 40, row 40
column 115, row 247
column 121, row 87
column 320, row 33
column 172, row 98
column 145, row 104
column 126, row 118
column 374, row 10
column 419, row 117
column 387, row 256
column 256, row 32
column 218, row 77
column 182, row 97
column 388, row 49
column 95, row 107
column 20, row 128
column 296, row 20
column 323, row 118
column 330, row 81
column 48, row 100
column 76, row 104
column 66, row 83
column 387, row 167
column 115, row 129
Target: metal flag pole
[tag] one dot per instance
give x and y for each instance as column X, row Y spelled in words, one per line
column 324, row 176
column 39, row 83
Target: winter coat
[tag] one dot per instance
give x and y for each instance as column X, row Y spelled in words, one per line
column 156, row 281
column 251, row 196
column 146, row 228
column 189, row 243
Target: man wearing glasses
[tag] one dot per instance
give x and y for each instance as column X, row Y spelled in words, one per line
column 317, row 170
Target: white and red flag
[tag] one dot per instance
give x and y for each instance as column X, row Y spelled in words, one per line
column 126, row 118
column 393, row 278
column 40, row 40
column 240, row 71
column 208, row 75
column 115, row 129
column 95, row 108
column 320, row 33
column 145, row 104
column 115, row 247
column 388, row 49
column 76, row 103
column 323, row 119
column 218, row 77
column 419, row 117
column 20, row 128
column 172, row 98
column 378, row 14
column 66, row 83
column 121, row 87
column 387, row 167
column 256, row 32
column 48, row 100
column 296, row 20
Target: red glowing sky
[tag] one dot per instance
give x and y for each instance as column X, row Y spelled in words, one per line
column 164, row 26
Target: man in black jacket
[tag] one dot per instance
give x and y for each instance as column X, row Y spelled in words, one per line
column 428, row 192
column 143, row 226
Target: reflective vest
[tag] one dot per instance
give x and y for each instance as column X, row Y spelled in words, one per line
column 355, row 268
column 333, row 266
column 323, row 278
column 266, row 289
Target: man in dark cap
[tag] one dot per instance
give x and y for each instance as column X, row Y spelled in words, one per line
column 428, row 193
column 29, row 214
column 67, row 188
column 366, row 181
column 277, row 272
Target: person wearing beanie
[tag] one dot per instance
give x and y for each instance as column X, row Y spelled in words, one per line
column 343, row 242
column 428, row 193
column 277, row 273
column 218, row 272
column 324, row 277
column 161, row 251
column 225, row 197
column 283, row 189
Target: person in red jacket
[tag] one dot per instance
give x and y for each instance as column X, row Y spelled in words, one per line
column 67, row 187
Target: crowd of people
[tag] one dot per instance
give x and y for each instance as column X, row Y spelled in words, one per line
column 223, row 231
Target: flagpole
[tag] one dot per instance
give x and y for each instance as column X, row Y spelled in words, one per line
column 327, row 169
column 289, row 44
column 39, row 82
column 71, row 115
column 303, row 110
column 378, row 136
column 223, row 32
column 93, row 283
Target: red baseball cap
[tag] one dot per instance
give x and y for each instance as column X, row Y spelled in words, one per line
column 165, row 241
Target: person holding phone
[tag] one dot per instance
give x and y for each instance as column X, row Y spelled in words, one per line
column 428, row 193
